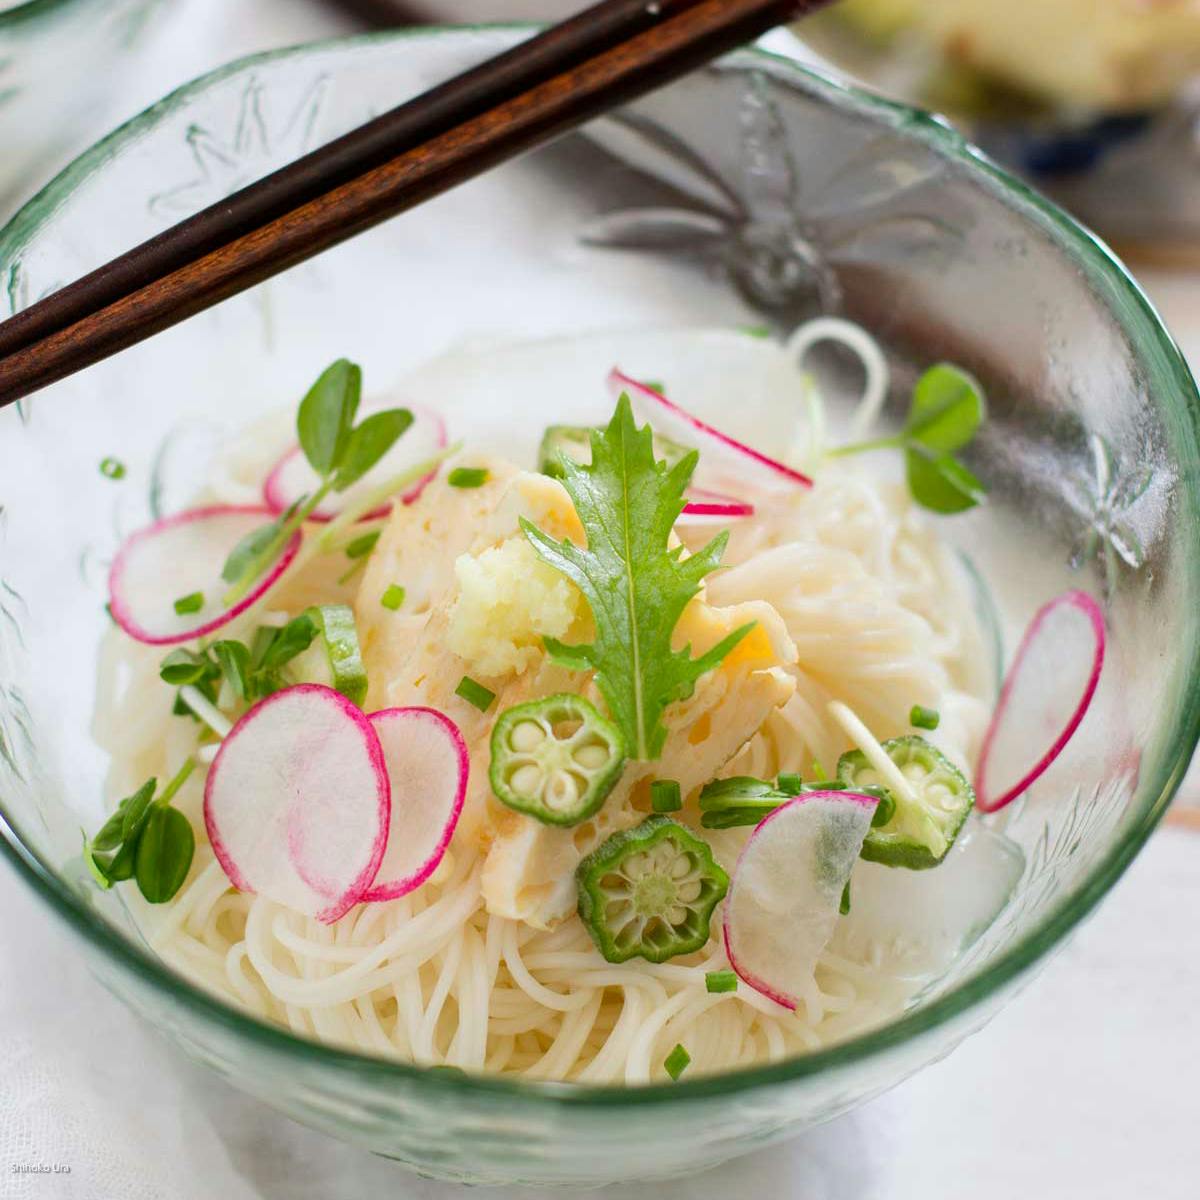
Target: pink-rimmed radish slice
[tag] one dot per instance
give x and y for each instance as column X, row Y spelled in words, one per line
column 704, row 505
column 297, row 803
column 292, row 477
column 1045, row 696
column 428, row 766
column 720, row 455
column 179, row 557
column 786, row 890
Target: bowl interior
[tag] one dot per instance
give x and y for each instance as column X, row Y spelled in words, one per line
column 752, row 193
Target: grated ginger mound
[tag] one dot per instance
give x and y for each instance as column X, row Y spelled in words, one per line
column 508, row 601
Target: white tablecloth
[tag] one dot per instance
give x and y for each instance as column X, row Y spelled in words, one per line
column 1088, row 1086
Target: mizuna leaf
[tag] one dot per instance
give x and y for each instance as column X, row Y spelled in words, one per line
column 636, row 586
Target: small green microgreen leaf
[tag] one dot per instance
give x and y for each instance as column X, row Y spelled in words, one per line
column 294, row 638
column 124, row 862
column 112, row 468
column 164, row 854
column 112, row 833
column 940, row 482
column 393, row 598
column 234, row 660
column 247, row 554
column 369, row 443
column 182, row 667
column 844, row 906
column 790, row 784
column 947, row 409
column 94, row 867
column 326, row 415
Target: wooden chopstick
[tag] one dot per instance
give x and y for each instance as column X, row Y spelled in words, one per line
column 556, row 50
column 687, row 36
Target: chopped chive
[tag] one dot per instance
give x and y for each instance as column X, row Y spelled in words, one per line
column 721, row 981
column 475, row 693
column 467, row 477
column 790, row 784
column 655, row 385
column 665, row 796
column 112, row 468
column 756, row 331
column 362, row 546
column 677, row 1062
column 354, row 568
column 844, row 907
column 393, row 598
column 924, row 718
column 191, row 603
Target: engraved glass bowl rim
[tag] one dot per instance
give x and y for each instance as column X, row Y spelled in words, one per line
column 1171, row 377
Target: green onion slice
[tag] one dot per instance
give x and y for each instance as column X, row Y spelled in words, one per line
column 467, row 477
column 677, row 1062
column 475, row 693
column 721, row 981
column 924, row 718
column 665, row 796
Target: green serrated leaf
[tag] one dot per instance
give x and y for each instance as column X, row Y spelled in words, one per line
column 947, row 409
column 637, row 589
column 369, row 443
column 326, row 415
column 941, row 483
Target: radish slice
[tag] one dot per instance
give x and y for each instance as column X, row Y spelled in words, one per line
column 703, row 505
column 1045, row 695
column 292, row 477
column 297, row 803
column 181, row 556
column 720, row 454
column 428, row 765
column 787, row 888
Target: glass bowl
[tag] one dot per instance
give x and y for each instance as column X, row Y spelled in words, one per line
column 753, row 192
column 58, row 63
column 1122, row 154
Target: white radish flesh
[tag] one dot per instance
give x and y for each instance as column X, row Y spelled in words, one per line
column 297, row 803
column 722, row 458
column 787, row 887
column 428, row 766
column 1045, row 696
column 292, row 477
column 182, row 556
